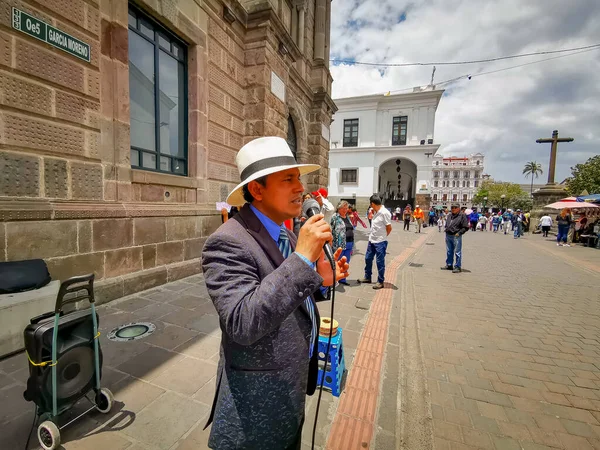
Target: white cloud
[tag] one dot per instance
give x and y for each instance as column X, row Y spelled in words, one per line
column 500, row 114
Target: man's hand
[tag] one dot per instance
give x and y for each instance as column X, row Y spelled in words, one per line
column 313, row 235
column 324, row 268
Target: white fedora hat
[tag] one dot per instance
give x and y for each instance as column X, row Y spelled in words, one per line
column 264, row 156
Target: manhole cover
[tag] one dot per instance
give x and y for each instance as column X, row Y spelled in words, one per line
column 132, row 331
column 415, row 265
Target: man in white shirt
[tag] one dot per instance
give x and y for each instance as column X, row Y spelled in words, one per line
column 546, row 223
column 398, row 213
column 381, row 227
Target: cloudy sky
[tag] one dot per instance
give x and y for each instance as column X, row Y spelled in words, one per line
column 500, row 114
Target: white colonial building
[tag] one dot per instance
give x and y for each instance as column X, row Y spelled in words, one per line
column 383, row 144
column 456, row 179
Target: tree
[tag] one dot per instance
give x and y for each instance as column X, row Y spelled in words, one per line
column 585, row 176
column 494, row 190
column 532, row 168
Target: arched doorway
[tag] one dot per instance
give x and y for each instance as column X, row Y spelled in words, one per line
column 291, row 136
column 397, row 182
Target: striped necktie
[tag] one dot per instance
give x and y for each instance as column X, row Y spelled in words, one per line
column 286, row 250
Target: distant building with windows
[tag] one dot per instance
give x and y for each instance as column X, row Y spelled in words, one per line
column 456, row 179
column 383, row 144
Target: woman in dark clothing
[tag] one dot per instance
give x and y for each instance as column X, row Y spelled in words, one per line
column 564, row 223
column 343, row 232
column 406, row 216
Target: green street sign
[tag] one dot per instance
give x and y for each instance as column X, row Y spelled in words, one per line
column 38, row 29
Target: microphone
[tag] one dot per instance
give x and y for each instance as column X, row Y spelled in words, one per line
column 310, row 207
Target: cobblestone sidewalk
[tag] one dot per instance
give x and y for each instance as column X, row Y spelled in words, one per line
column 510, row 349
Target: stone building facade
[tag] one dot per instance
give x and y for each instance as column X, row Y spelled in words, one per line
column 75, row 188
column 456, row 179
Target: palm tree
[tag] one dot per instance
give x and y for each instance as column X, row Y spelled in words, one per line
column 532, row 168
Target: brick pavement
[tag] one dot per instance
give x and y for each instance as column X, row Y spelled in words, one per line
column 510, row 350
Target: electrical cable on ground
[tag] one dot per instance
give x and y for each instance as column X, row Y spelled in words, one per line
column 314, row 431
column 456, row 63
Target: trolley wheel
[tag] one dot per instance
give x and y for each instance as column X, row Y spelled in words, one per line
column 104, row 400
column 48, row 435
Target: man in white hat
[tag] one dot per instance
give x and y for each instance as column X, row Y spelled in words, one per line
column 263, row 284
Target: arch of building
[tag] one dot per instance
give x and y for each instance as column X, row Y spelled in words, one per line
column 396, row 181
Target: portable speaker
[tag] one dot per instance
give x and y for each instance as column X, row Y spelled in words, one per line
column 75, row 359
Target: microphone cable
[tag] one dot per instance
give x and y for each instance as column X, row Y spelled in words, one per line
column 314, row 431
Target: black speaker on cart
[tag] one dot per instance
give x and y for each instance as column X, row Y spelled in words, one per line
column 75, row 375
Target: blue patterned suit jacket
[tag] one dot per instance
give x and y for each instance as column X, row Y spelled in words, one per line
column 264, row 371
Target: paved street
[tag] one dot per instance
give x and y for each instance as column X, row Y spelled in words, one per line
column 506, row 355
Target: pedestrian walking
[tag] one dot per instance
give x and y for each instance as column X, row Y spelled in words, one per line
column 381, row 227
column 355, row 217
column 370, row 214
column 506, row 220
column 343, row 233
column 546, row 224
column 440, row 223
column 473, row 219
column 398, row 216
column 518, row 224
column 431, row 217
column 419, row 216
column 563, row 220
column 482, row 223
column 407, row 215
column 457, row 224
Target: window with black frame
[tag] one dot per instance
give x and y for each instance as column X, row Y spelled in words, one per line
column 399, row 127
column 158, row 97
column 349, row 175
column 351, row 133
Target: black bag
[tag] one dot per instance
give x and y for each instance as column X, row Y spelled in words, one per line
column 19, row 276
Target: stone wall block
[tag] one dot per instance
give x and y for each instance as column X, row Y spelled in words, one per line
column 190, row 196
column 109, row 234
column 32, row 59
column 86, row 181
column 125, row 192
column 84, row 236
column 92, row 18
column 5, row 49
column 206, row 225
column 77, row 109
column 19, row 175
column 30, row 240
column 149, row 230
column 152, row 193
column 108, row 290
column 110, row 191
column 21, row 94
column 147, row 279
column 192, row 248
column 122, row 261
column 221, row 154
column 184, row 269
column 169, row 252
column 122, row 91
column 55, row 178
column 2, row 241
column 38, row 134
column 149, row 256
column 179, row 228
column 107, row 86
column 70, row 266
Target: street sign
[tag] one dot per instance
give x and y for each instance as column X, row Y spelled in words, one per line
column 38, row 29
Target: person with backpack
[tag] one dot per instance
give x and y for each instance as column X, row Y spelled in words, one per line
column 496, row 221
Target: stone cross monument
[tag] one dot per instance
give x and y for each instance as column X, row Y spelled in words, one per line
column 554, row 140
column 551, row 192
